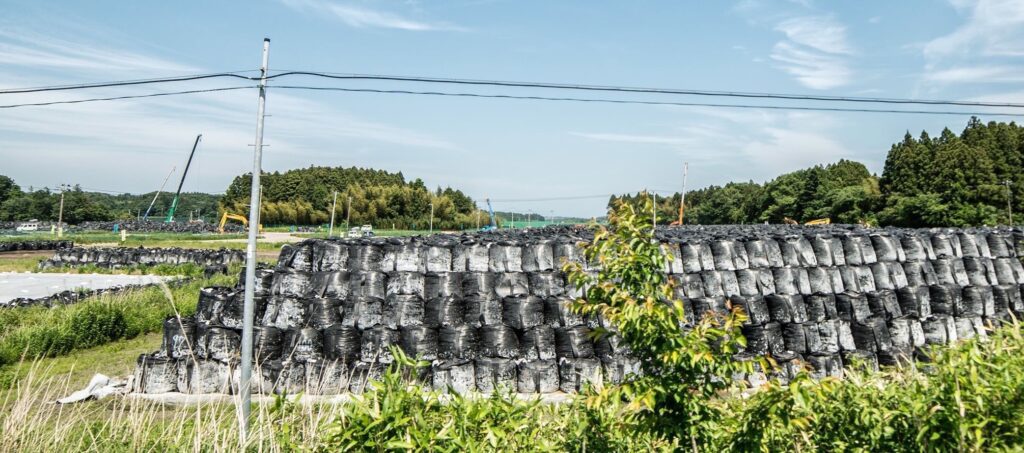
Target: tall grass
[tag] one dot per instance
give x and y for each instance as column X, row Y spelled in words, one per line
column 35, row 332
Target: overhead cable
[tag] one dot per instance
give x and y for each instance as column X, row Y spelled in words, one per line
column 642, row 102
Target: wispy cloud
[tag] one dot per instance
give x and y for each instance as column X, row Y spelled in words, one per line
column 640, row 139
column 976, row 74
column 993, row 28
column 133, row 142
column 815, row 51
column 987, row 47
column 28, row 49
column 361, row 17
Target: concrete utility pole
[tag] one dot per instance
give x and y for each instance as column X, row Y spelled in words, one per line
column 682, row 196
column 478, row 218
column 654, row 222
column 1009, row 205
column 348, row 217
column 431, row 216
column 250, row 255
column 60, row 215
column 334, row 206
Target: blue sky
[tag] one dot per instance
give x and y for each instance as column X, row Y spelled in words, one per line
column 502, row 149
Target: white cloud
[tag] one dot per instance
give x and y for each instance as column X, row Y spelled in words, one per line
column 129, row 144
column 642, row 139
column 815, row 51
column 976, row 74
column 987, row 47
column 359, row 17
column 27, row 49
column 994, row 28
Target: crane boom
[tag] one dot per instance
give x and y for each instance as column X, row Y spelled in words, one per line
column 150, row 208
column 174, row 202
column 490, row 210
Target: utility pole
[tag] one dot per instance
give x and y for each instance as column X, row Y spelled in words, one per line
column 478, row 218
column 682, row 196
column 431, row 216
column 348, row 217
column 250, row 255
column 512, row 225
column 654, row 222
column 1009, row 205
column 60, row 215
column 334, row 207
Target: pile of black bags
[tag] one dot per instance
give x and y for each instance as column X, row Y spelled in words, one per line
column 18, row 246
column 156, row 226
column 118, row 257
column 491, row 310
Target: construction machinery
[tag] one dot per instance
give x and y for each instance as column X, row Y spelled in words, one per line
column 241, row 218
column 494, row 224
column 174, row 203
column 157, row 195
column 825, row 221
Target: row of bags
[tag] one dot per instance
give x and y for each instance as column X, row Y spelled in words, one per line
column 186, row 338
column 129, row 256
column 686, row 257
column 155, row 374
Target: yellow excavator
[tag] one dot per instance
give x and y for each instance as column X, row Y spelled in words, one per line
column 241, row 218
column 825, row 221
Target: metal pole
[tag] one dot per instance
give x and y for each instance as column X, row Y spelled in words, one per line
column 431, row 216
column 250, row 255
column 654, row 222
column 348, row 217
column 60, row 216
column 1009, row 206
column 334, row 207
column 682, row 196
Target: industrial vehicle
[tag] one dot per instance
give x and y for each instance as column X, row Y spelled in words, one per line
column 224, row 220
column 174, row 202
column 494, row 224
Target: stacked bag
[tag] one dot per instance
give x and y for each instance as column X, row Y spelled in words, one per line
column 118, row 257
column 18, row 246
column 491, row 310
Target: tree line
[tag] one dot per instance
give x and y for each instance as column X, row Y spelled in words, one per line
column 949, row 180
column 43, row 203
column 377, row 197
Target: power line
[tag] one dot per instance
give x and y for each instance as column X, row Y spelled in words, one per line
column 503, row 83
column 579, row 197
column 628, row 89
column 116, row 98
column 127, row 83
column 641, row 102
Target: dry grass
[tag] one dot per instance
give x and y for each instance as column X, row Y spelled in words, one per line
column 31, row 421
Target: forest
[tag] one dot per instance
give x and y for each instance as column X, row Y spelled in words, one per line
column 377, row 197
column 948, row 180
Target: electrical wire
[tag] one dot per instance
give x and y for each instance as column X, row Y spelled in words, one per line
column 627, row 89
column 502, row 83
column 578, row 197
column 129, row 82
column 116, row 98
column 640, row 102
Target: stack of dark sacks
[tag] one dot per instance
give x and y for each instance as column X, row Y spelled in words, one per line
column 120, row 257
column 19, row 246
column 155, row 226
column 492, row 310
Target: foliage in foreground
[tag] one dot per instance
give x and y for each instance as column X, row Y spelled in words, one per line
column 684, row 365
